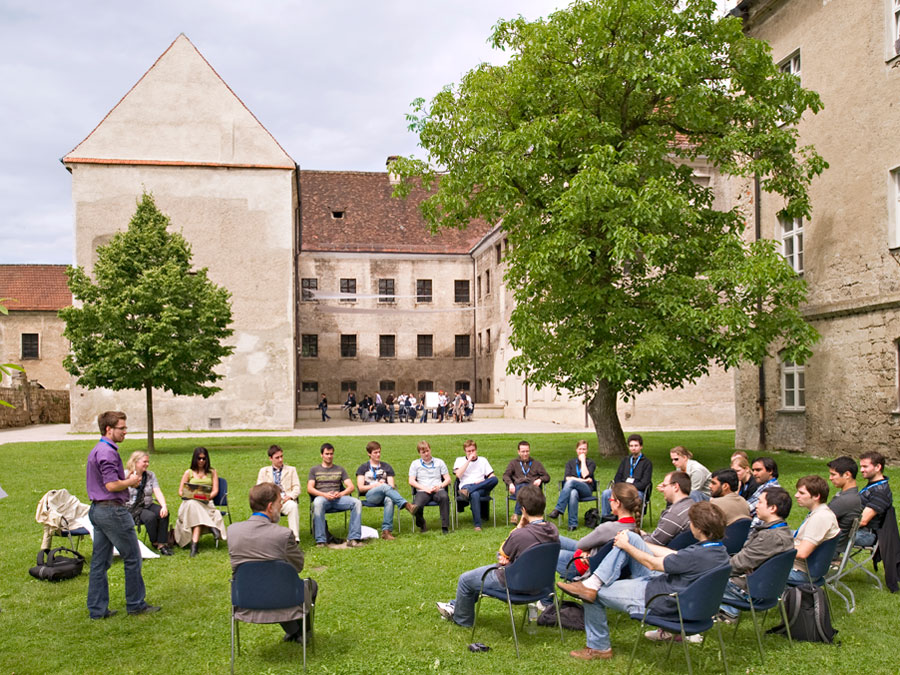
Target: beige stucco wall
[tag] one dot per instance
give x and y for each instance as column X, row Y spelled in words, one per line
column 853, row 275
column 53, row 347
column 405, row 318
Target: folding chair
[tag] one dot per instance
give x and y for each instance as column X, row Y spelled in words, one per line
column 834, row 577
column 220, row 501
column 736, row 535
column 697, row 606
column 459, row 503
column 268, row 584
column 594, row 497
column 528, row 579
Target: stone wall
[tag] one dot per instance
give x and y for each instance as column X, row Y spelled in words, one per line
column 33, row 406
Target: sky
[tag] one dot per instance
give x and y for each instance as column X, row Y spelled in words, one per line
column 332, row 81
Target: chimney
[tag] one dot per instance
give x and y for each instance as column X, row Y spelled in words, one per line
column 392, row 177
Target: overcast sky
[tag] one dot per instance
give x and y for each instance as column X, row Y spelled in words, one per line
column 331, row 80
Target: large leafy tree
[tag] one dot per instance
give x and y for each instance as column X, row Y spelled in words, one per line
column 147, row 320
column 626, row 275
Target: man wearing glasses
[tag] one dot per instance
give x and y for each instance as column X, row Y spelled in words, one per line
column 107, row 489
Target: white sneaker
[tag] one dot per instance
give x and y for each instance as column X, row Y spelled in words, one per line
column 446, row 610
column 659, row 635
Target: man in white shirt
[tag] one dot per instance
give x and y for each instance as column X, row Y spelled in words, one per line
column 286, row 479
column 476, row 480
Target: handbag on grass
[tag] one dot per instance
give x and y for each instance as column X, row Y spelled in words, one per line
column 57, row 564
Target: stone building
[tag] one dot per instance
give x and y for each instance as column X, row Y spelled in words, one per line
column 846, row 398
column 31, row 335
column 336, row 286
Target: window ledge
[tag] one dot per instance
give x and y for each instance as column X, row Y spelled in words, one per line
column 893, row 60
column 791, row 411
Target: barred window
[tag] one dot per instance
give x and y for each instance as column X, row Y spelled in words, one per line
column 385, row 290
column 423, row 290
column 309, row 345
column 307, row 286
column 425, row 346
column 461, row 290
column 348, row 346
column 462, row 348
column 348, row 286
column 387, row 346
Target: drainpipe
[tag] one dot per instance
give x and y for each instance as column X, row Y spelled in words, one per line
column 757, row 216
column 298, row 242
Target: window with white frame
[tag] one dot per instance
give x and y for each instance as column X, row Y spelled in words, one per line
column 792, row 242
column 895, row 27
column 791, row 64
column 894, row 208
column 793, row 386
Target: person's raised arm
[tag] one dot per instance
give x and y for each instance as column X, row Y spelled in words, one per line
column 215, row 484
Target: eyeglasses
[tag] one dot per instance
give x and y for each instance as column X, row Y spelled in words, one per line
column 201, row 458
column 122, row 428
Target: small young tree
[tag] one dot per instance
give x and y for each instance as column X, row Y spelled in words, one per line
column 148, row 321
column 626, row 276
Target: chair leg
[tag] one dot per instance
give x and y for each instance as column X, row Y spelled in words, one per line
column 233, row 637
column 787, row 624
column 636, row 640
column 756, row 629
column 722, row 647
column 475, row 620
column 512, row 620
column 303, row 630
column 558, row 620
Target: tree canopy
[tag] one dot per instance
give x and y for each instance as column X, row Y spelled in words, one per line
column 626, row 274
column 147, row 320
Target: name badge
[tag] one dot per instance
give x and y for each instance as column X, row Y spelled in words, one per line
column 629, row 480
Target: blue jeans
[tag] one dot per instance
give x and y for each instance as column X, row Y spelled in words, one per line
column 798, row 577
column 478, row 491
column 385, row 494
column 865, row 537
column 627, row 595
column 321, row 506
column 572, row 492
column 605, row 508
column 733, row 592
column 114, row 527
column 567, row 548
column 519, row 508
column 467, row 589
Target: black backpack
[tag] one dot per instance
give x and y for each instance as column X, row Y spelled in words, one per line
column 571, row 616
column 57, row 564
column 808, row 614
column 591, row 518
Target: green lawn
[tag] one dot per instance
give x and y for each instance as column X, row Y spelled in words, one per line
column 376, row 610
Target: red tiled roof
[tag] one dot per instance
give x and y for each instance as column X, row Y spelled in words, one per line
column 373, row 220
column 34, row 287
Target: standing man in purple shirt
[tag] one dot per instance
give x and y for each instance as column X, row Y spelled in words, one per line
column 107, row 489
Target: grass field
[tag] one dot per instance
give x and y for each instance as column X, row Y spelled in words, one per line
column 376, row 610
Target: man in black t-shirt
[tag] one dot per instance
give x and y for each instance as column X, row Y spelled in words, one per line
column 846, row 504
column 876, row 497
column 531, row 529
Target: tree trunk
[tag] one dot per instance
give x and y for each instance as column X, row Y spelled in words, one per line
column 602, row 409
column 149, row 389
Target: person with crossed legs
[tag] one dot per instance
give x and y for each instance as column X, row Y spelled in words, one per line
column 578, row 483
column 286, row 479
column 375, row 480
column 476, row 477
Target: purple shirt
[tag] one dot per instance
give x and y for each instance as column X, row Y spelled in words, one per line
column 105, row 466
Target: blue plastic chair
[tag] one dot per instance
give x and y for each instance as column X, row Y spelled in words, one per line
column 528, row 579
column 594, row 497
column 736, row 535
column 434, row 502
column 267, row 584
column 697, row 606
column 459, row 500
column 220, row 501
column 765, row 586
column 818, row 563
column 682, row 540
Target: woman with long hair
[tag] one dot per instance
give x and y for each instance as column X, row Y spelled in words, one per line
column 154, row 516
column 199, row 486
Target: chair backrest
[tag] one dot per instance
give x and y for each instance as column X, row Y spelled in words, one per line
column 848, row 545
column 682, row 540
column 266, row 584
column 767, row 581
column 595, row 560
column 534, row 570
column 820, row 559
column 221, row 498
column 700, row 600
column 736, row 535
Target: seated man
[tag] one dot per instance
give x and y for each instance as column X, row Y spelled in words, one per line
column 876, row 497
column 654, row 569
column 820, row 525
column 375, row 480
column 285, row 479
column 524, row 471
column 429, row 476
column 476, row 478
column 260, row 537
column 634, row 469
column 765, row 473
column 676, row 488
column 578, row 483
column 846, row 504
column 765, row 541
column 324, row 487
column 532, row 529
column 723, row 490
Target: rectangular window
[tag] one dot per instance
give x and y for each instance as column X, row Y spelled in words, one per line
column 385, row 290
column 310, row 386
column 387, row 385
column 792, row 242
column 424, row 346
column 308, row 288
column 462, row 385
column 793, row 386
column 348, row 286
column 423, row 290
column 348, row 346
column 895, row 17
column 487, row 282
column 498, row 250
column 425, row 385
column 479, row 343
column 894, row 208
column 348, row 385
column 462, row 348
column 30, row 346
column 461, row 290
column 487, row 341
column 387, row 346
column 478, row 286
column 309, row 345
column 791, row 64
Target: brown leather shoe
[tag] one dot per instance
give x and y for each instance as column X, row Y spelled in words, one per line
column 578, row 590
column 412, row 508
column 386, row 534
column 588, row 654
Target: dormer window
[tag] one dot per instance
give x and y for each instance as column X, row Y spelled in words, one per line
column 337, row 215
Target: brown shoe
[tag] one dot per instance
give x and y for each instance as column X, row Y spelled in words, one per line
column 578, row 590
column 513, row 519
column 463, row 493
column 386, row 534
column 355, row 543
column 412, row 508
column 588, row 654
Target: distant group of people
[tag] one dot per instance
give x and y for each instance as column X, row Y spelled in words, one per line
column 405, row 407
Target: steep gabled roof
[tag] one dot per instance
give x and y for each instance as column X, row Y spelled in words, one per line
column 371, row 220
column 34, row 287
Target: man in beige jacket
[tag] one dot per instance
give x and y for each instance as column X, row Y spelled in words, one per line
column 285, row 477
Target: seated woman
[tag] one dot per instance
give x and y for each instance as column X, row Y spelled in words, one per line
column 682, row 460
column 625, row 502
column 578, row 483
column 199, row 485
column 654, row 569
column 155, row 517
